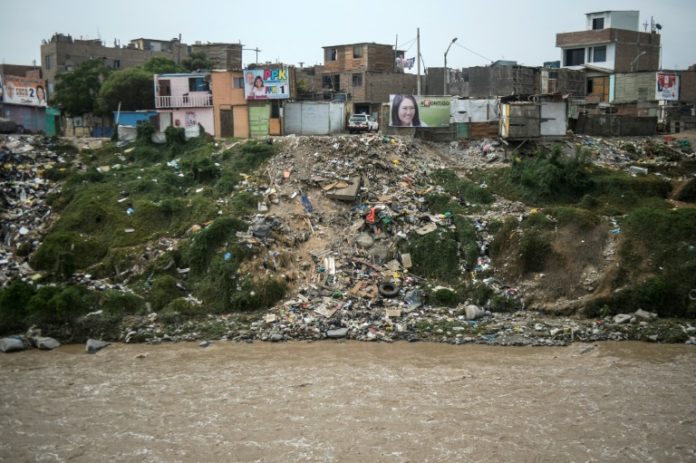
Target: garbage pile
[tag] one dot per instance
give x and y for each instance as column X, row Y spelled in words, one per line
column 339, row 206
column 24, row 213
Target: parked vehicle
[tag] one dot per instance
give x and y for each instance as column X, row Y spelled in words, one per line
column 362, row 123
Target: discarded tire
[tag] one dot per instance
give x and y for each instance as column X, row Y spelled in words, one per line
column 388, row 289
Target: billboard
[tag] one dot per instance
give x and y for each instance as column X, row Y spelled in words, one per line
column 266, row 84
column 667, row 86
column 419, row 111
column 24, row 91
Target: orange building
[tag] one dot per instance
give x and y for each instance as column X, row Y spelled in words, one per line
column 230, row 108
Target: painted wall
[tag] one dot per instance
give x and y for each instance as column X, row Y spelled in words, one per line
column 188, row 117
column 133, row 117
column 228, row 97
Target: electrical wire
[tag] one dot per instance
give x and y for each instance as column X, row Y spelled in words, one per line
column 472, row 51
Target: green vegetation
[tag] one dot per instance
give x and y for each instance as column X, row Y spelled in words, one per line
column 110, row 219
column 658, row 264
column 548, row 179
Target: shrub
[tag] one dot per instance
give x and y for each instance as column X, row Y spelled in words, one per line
column 52, row 305
column 207, row 241
column 534, row 250
column 435, row 255
column 175, row 135
column 163, row 291
column 144, row 132
column 13, row 306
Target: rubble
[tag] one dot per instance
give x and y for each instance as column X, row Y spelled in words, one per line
column 331, row 214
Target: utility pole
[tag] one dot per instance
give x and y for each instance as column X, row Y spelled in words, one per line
column 444, row 79
column 396, row 52
column 418, row 82
column 257, row 53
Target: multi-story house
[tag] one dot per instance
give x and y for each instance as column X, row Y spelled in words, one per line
column 611, row 43
column 62, row 53
column 367, row 73
column 184, row 100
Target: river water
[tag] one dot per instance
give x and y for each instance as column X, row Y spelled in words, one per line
column 348, row 402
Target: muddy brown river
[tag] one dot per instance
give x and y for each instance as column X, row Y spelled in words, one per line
column 350, row 402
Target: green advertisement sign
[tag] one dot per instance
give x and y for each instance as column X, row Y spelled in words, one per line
column 419, row 111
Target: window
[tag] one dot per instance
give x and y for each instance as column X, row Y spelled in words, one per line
column 590, row 86
column 357, row 80
column 465, row 75
column 357, row 51
column 117, row 64
column 553, row 74
column 48, row 59
column 275, row 109
column 326, row 82
column 238, row 82
column 330, row 54
column 198, row 84
column 599, row 54
column 597, row 24
column 574, row 56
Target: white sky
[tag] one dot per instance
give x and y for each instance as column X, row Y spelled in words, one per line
column 294, row 32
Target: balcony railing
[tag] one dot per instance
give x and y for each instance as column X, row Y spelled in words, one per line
column 195, row 100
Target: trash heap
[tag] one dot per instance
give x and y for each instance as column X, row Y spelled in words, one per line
column 339, row 207
column 24, row 212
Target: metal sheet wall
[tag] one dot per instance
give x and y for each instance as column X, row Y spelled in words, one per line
column 313, row 118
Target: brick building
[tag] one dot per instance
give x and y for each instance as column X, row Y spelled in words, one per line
column 62, row 53
column 366, row 73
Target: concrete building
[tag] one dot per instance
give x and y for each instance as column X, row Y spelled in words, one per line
column 23, row 97
column 230, row 109
column 613, row 41
column 505, row 79
column 224, row 56
column 184, row 100
column 367, row 73
column 62, row 53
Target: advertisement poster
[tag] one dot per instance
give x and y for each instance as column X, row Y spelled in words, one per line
column 419, row 111
column 266, row 84
column 667, row 86
column 24, row 91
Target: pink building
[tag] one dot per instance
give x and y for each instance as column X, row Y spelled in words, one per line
column 184, row 100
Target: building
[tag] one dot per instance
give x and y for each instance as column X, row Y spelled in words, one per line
column 225, row 56
column 367, row 73
column 230, row 109
column 23, row 97
column 184, row 100
column 505, row 79
column 611, row 43
column 62, row 53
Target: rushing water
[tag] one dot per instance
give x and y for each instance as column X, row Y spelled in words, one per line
column 350, row 402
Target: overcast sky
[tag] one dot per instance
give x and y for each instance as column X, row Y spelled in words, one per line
column 294, row 32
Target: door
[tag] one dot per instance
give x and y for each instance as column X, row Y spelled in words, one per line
column 258, row 120
column 226, row 123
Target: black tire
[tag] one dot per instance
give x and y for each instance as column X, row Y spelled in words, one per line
column 389, row 289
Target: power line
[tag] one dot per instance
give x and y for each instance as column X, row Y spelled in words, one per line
column 472, row 51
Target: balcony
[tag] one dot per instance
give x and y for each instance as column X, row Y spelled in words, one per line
column 193, row 100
